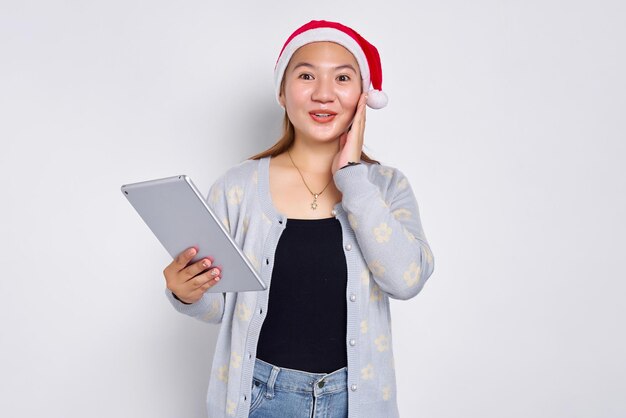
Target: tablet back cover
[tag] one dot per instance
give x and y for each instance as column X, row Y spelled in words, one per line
column 179, row 217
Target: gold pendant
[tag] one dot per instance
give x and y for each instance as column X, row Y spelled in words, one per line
column 314, row 204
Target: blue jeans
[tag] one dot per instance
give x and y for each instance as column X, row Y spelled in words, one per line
column 279, row 392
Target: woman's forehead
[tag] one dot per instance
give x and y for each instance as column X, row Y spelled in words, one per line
column 323, row 54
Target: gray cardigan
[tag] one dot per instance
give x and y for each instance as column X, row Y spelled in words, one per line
column 387, row 257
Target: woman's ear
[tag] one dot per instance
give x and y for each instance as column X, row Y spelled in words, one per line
column 281, row 99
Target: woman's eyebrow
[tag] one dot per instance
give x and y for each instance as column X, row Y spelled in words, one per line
column 302, row 64
column 340, row 67
column 346, row 66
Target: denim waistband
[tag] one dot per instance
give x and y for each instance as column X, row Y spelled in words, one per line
column 291, row 380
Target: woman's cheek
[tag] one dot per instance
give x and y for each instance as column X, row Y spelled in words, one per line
column 351, row 99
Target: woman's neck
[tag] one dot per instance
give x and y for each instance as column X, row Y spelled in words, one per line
column 314, row 158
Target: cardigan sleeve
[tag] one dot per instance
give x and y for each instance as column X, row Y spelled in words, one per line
column 210, row 308
column 386, row 222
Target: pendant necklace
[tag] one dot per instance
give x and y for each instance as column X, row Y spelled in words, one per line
column 315, row 195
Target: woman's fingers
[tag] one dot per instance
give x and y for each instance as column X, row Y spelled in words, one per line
column 342, row 141
column 189, row 282
column 354, row 140
column 179, row 263
column 351, row 142
column 181, row 269
column 184, row 258
column 359, row 119
column 196, row 268
column 195, row 295
column 192, row 290
column 204, row 278
column 210, row 283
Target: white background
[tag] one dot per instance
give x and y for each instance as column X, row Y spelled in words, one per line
column 507, row 117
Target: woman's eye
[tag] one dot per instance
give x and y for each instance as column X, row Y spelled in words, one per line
column 306, row 76
column 343, row 78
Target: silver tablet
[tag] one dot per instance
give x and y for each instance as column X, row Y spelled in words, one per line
column 180, row 218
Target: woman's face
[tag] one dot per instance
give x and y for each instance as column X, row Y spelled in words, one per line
column 321, row 89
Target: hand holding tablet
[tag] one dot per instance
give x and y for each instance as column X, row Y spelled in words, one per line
column 181, row 219
column 189, row 282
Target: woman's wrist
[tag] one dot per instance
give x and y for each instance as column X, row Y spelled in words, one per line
column 178, row 299
column 350, row 163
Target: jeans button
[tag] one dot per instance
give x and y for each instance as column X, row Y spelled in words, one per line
column 321, row 384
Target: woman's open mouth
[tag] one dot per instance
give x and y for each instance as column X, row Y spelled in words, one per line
column 322, row 117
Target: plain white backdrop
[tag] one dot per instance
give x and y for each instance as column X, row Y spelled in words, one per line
column 507, row 117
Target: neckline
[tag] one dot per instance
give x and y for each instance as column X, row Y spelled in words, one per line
column 330, row 218
column 321, row 222
column 265, row 195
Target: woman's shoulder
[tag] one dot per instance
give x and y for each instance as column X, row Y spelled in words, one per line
column 241, row 173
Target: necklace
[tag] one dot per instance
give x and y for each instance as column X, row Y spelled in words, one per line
column 315, row 195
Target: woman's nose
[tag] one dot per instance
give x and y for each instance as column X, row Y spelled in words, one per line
column 324, row 91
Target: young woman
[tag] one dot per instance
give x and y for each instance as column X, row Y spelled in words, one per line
column 333, row 233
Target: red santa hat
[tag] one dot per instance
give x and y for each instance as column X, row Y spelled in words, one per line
column 365, row 53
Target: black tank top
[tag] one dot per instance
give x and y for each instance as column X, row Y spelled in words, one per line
column 305, row 327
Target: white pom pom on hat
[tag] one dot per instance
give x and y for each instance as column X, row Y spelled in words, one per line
column 377, row 99
column 366, row 56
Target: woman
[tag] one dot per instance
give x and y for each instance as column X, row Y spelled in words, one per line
column 333, row 233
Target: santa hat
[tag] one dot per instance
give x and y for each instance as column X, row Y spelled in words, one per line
column 365, row 53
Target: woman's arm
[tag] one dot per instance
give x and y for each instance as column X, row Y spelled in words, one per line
column 386, row 222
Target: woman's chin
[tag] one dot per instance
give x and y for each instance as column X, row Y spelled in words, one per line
column 324, row 135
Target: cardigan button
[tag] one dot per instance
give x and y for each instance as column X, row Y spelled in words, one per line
column 353, row 342
column 348, row 247
column 353, row 298
column 353, row 388
column 333, row 212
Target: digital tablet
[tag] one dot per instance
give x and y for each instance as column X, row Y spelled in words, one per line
column 180, row 218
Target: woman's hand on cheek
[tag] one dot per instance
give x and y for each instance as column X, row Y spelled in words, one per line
column 351, row 142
